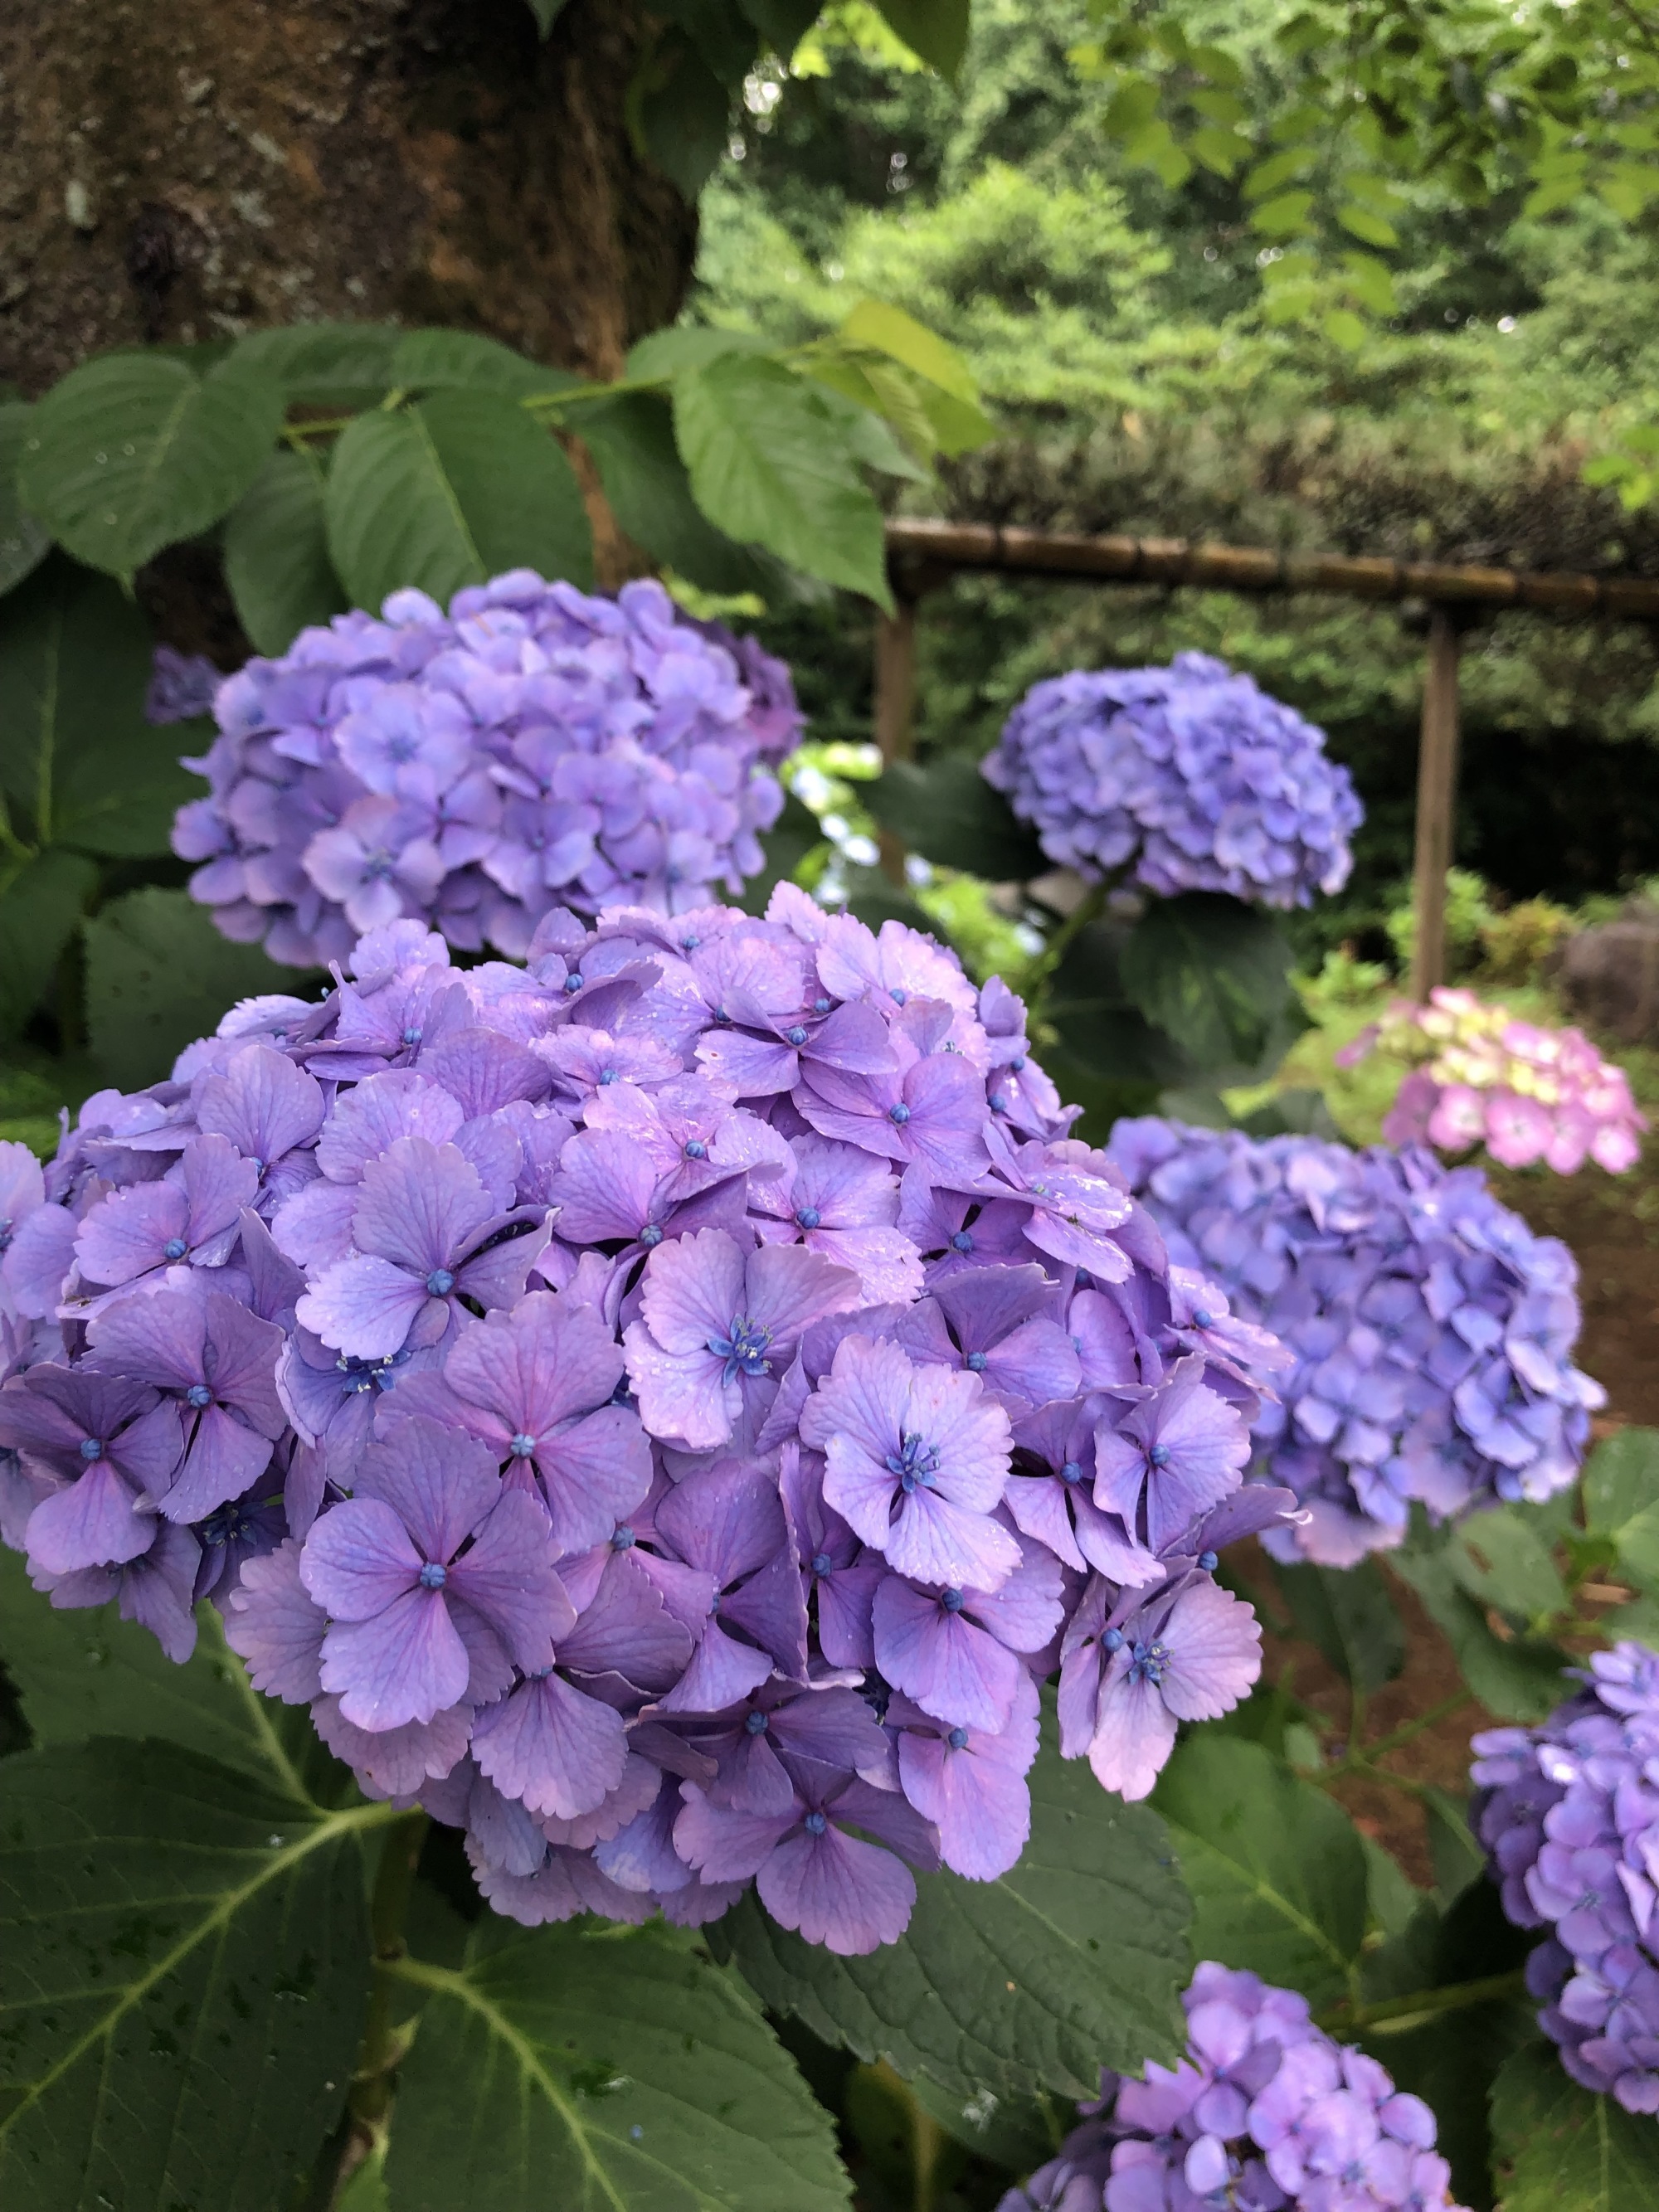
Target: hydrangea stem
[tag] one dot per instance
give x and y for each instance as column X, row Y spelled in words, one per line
column 1395, row 2014
column 1089, row 908
column 382, row 2045
column 1362, row 1758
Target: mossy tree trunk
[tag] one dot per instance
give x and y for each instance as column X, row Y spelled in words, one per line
column 176, row 170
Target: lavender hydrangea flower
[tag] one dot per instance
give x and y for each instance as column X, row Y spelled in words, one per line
column 666, row 1407
column 1432, row 1331
column 1264, row 2113
column 533, row 747
column 1570, row 1824
column 1185, row 778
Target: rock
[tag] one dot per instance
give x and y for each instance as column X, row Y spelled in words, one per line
column 1608, row 976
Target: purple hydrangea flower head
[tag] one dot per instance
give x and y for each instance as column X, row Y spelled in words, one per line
column 1264, row 2113
column 532, row 747
column 653, row 1405
column 1569, row 1816
column 1432, row 1333
column 1182, row 779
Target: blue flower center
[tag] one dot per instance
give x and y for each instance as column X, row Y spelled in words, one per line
column 572, row 982
column 1147, row 1661
column 1203, row 1318
column 808, row 1217
column 523, row 1446
column 690, row 944
column 360, row 1375
column 899, row 1113
column 898, row 997
column 958, row 1739
column 952, row 1600
column 174, row 1248
column 622, row 1537
column 756, row 1724
column 434, row 1576
column 223, row 1527
column 962, row 1241
column 1159, row 1455
column 198, row 1396
column 1072, row 1472
column 822, row 1563
column 796, row 1036
column 976, row 1363
column 377, row 866
column 742, row 1347
column 412, row 1034
column 1017, row 1066
column 997, row 1103
column 815, row 1824
column 441, row 1282
column 1209, row 1561
column 1112, row 1640
column 696, row 1149
column 821, row 1005
column 915, row 1462
column 651, row 1235
column 91, row 1447
column 606, row 1075
column 400, row 749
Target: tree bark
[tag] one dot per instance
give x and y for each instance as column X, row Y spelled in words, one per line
column 182, row 170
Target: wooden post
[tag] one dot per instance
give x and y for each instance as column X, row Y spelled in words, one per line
column 894, row 706
column 1437, row 804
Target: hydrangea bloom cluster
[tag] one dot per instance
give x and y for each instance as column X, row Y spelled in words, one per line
column 1569, row 1814
column 1264, row 2113
column 1432, row 1333
column 1188, row 778
column 533, row 747
column 1479, row 1077
column 665, row 1409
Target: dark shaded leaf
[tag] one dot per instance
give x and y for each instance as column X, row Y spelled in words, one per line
column 948, row 813
column 159, row 975
column 596, row 2069
column 681, row 110
column 324, row 364
column 86, row 1672
column 1560, row 2149
column 1214, row 974
column 1275, row 1866
column 632, row 441
column 183, row 1958
column 784, row 23
column 1349, row 1617
column 1518, row 1678
column 276, row 558
column 79, row 764
column 130, row 453
column 1072, row 1961
column 546, row 12
column 23, row 543
column 449, row 493
column 439, row 361
column 768, row 467
column 41, row 904
column 1098, row 1028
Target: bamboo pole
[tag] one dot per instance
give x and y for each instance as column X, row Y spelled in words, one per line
column 1437, row 806
column 894, row 706
column 932, row 550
